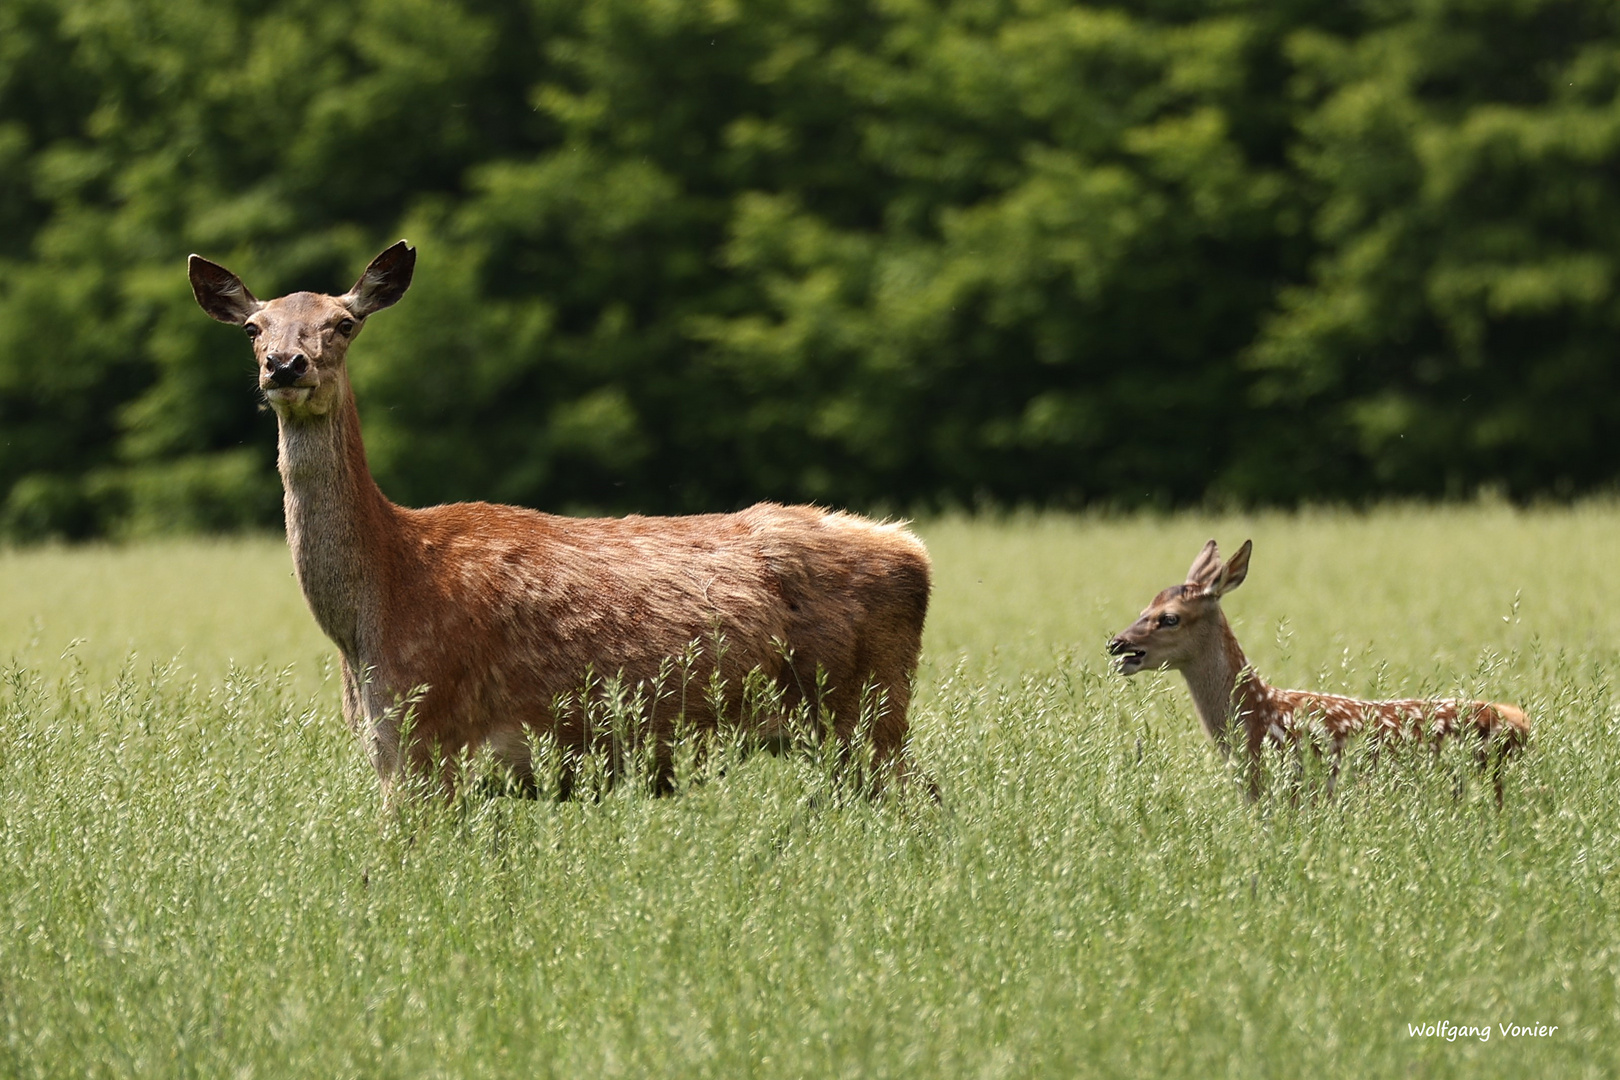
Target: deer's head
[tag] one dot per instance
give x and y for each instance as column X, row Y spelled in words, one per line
column 1183, row 621
column 301, row 339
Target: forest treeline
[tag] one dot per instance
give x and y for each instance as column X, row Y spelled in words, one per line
column 679, row 255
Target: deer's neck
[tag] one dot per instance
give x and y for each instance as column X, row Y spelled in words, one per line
column 1226, row 691
column 338, row 520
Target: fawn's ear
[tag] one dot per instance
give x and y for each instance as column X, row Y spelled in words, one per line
column 384, row 281
column 220, row 292
column 1233, row 573
column 1205, row 567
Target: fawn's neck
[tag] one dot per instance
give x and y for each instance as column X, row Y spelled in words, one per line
column 338, row 520
column 1225, row 688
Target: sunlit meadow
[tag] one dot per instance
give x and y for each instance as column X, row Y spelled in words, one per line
column 198, row 878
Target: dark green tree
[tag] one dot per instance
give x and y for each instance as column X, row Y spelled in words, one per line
column 895, row 253
column 885, row 254
column 1459, row 322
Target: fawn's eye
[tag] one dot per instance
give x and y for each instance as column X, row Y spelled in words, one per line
column 251, row 329
column 1168, row 619
column 346, row 327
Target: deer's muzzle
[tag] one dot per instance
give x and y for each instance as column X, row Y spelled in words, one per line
column 280, row 370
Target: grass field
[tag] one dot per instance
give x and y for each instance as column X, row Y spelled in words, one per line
column 197, row 877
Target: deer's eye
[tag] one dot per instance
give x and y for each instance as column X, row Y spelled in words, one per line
column 1168, row 619
column 346, row 327
column 251, row 329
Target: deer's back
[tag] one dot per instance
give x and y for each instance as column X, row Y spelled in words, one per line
column 1411, row 718
column 499, row 609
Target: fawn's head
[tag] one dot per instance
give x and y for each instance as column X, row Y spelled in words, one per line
column 301, row 339
column 1182, row 622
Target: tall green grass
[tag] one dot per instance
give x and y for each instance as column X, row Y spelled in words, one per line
column 197, row 877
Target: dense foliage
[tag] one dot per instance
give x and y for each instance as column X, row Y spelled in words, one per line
column 679, row 256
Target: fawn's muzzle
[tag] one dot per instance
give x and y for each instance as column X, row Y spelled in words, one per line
column 1130, row 656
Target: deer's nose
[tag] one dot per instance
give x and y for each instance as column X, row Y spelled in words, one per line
column 1118, row 645
column 285, row 370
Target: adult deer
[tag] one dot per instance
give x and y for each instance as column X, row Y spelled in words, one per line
column 1185, row 630
column 503, row 613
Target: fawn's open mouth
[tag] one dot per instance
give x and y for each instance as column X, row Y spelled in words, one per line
column 1130, row 661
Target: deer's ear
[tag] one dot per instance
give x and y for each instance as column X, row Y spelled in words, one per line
column 1205, row 567
column 220, row 292
column 384, row 281
column 1233, row 573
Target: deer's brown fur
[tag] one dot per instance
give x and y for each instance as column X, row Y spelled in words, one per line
column 502, row 612
column 1185, row 630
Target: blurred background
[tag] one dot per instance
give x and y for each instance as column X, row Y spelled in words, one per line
column 897, row 255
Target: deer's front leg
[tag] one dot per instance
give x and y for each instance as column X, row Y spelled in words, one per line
column 1254, row 743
